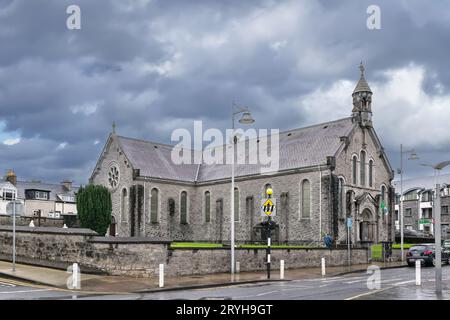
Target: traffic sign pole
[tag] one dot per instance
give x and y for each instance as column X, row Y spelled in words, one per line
column 14, row 237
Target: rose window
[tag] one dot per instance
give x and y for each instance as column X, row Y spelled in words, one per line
column 113, row 177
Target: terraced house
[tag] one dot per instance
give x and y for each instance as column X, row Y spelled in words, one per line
column 328, row 172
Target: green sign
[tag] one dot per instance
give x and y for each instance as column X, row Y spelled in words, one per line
column 424, row 221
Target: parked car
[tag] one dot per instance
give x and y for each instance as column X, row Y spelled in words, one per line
column 425, row 253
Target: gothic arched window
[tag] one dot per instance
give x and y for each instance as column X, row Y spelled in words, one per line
column 236, row 204
column 154, row 203
column 362, row 163
column 341, row 197
column 306, row 199
column 124, row 202
column 207, row 206
column 371, row 173
column 183, row 208
column 354, row 169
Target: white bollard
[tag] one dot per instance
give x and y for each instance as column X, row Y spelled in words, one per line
column 323, row 266
column 418, row 275
column 75, row 276
column 238, row 267
column 281, row 269
column 161, row 275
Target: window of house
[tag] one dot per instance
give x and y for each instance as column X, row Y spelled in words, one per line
column 362, row 164
column 410, row 196
column 236, row 204
column 41, row 195
column 354, row 170
column 9, row 194
column 370, row 173
column 408, row 212
column 306, row 199
column 207, row 206
column 154, row 204
column 183, row 208
column 444, row 210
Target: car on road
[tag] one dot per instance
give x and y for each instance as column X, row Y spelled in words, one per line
column 425, row 254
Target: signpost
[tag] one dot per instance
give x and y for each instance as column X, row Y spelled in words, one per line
column 349, row 226
column 268, row 209
column 14, row 208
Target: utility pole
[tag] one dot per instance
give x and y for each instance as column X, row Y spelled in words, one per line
column 437, row 239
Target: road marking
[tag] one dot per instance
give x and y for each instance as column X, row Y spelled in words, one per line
column 404, row 282
column 368, row 293
column 3, row 284
column 23, row 291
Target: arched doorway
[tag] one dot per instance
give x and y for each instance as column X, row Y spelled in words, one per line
column 366, row 226
column 112, row 227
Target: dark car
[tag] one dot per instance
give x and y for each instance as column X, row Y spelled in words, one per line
column 425, row 253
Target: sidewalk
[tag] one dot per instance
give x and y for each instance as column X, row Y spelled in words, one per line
column 115, row 284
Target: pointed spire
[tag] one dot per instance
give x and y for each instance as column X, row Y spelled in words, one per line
column 362, row 85
column 114, row 127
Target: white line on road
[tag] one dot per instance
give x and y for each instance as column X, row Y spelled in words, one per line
column 23, row 291
column 3, row 284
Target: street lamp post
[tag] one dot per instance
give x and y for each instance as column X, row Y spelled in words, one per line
column 413, row 156
column 245, row 119
column 437, row 224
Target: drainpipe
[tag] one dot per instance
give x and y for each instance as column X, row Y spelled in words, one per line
column 320, row 203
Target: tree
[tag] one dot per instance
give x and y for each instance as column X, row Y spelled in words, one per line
column 94, row 208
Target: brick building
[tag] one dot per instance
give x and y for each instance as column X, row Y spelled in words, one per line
column 328, row 172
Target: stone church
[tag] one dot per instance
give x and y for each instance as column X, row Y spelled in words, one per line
column 328, row 172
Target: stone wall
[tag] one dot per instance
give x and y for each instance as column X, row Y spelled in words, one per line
column 59, row 248
column 6, row 220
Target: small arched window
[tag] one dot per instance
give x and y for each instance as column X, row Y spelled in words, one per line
column 354, row 169
column 362, row 163
column 154, row 204
column 183, row 208
column 306, row 199
column 124, row 202
column 236, row 204
column 207, row 206
column 371, row 173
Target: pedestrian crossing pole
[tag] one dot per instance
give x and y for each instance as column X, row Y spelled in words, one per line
column 269, row 193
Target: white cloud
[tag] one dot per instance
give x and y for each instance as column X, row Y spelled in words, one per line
column 62, row 145
column 11, row 142
column 403, row 112
column 87, row 108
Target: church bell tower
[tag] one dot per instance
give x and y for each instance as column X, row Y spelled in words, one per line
column 362, row 101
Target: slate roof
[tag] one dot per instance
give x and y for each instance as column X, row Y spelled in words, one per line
column 6, row 184
column 299, row 148
column 53, row 188
column 427, row 182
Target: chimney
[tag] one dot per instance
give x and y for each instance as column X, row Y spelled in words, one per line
column 11, row 177
column 67, row 184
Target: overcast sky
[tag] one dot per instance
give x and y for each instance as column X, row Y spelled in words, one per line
column 154, row 66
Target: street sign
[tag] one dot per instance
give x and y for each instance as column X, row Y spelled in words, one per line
column 349, row 223
column 268, row 207
column 18, row 209
column 425, row 221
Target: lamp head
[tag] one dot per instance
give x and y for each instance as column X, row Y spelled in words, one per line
column 246, row 118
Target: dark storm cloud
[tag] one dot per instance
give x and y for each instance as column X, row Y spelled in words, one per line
column 153, row 66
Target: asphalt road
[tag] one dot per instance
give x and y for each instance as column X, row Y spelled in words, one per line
column 394, row 284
